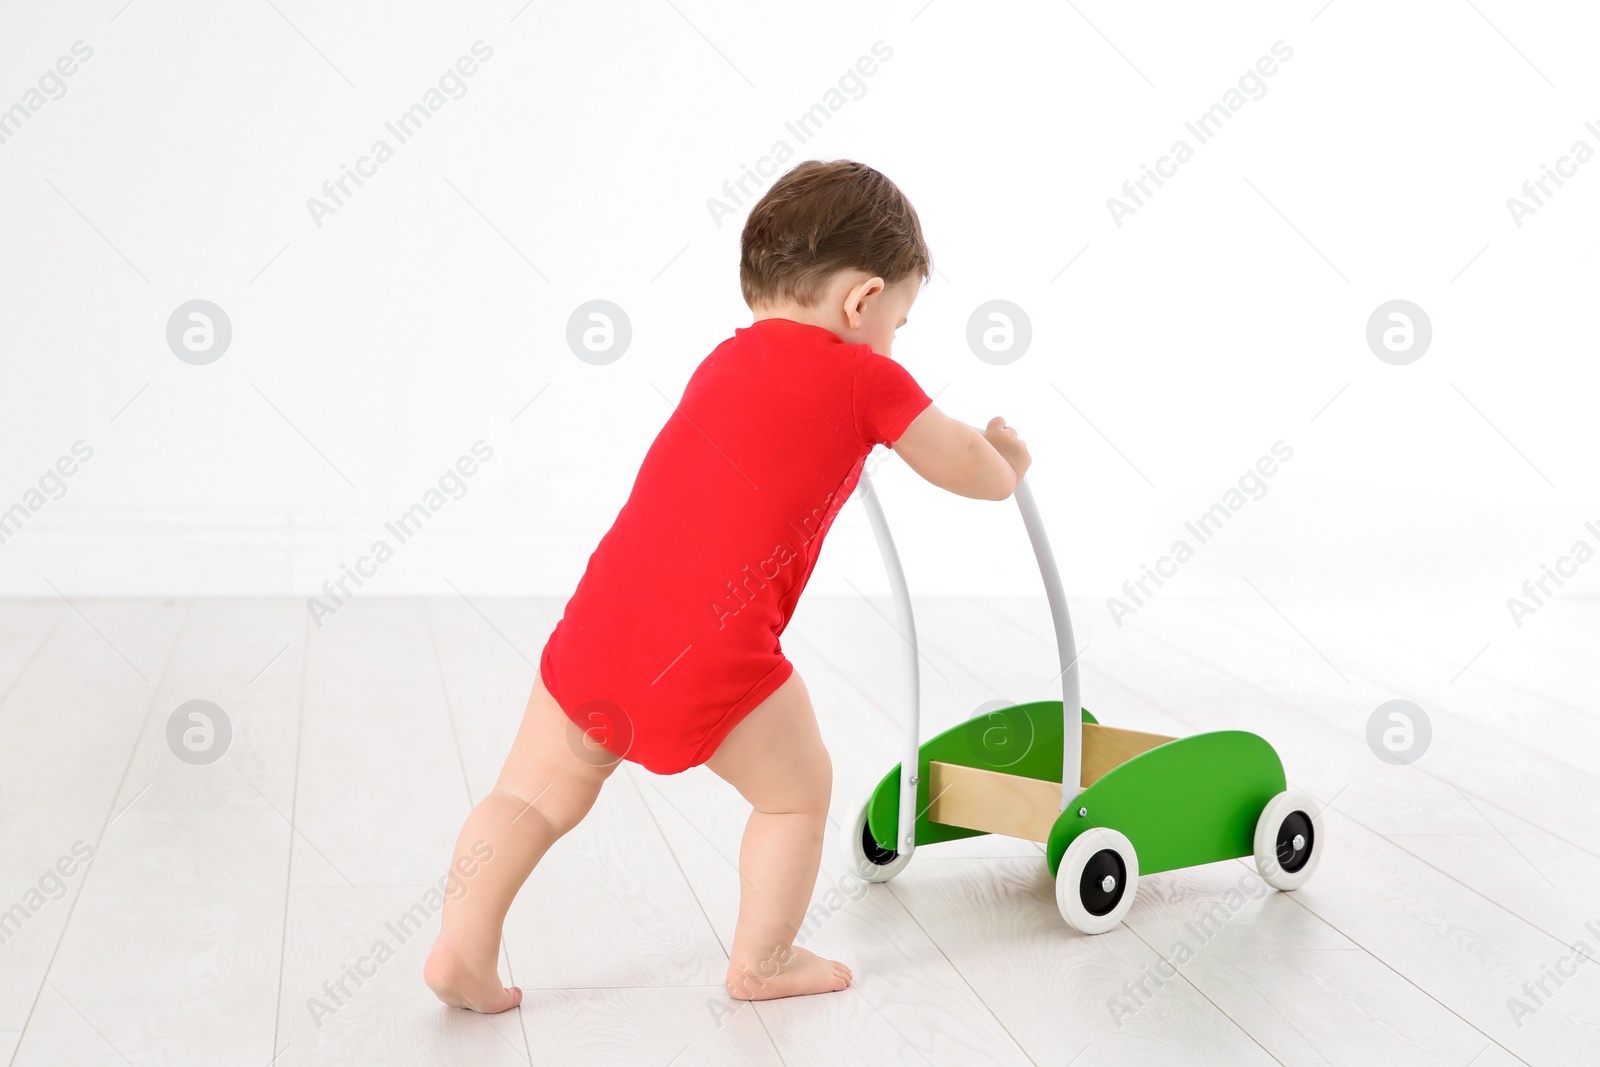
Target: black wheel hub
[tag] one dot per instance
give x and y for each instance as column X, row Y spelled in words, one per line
column 1295, row 841
column 877, row 854
column 1104, row 880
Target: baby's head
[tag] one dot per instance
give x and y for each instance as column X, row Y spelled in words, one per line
column 838, row 245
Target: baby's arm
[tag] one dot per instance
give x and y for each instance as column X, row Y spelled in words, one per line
column 956, row 457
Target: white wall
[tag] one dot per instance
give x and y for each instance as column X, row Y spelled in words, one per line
column 428, row 310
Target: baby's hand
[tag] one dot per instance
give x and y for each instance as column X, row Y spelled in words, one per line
column 1011, row 447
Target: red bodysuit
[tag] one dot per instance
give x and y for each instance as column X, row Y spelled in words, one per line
column 671, row 636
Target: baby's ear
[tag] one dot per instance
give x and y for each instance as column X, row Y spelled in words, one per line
column 858, row 297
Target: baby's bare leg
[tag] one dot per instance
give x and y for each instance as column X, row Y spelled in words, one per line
column 776, row 759
column 545, row 788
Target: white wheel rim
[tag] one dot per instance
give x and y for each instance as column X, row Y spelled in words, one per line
column 859, row 862
column 1266, row 839
column 1069, row 877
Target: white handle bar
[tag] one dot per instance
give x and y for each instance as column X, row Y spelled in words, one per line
column 1066, row 649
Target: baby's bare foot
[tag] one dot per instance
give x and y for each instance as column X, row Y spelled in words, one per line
column 459, row 982
column 801, row 973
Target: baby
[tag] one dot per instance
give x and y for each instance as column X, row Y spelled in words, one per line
column 668, row 652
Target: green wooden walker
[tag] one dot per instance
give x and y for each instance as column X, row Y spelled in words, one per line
column 1108, row 804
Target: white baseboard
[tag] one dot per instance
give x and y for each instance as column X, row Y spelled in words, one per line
column 544, row 554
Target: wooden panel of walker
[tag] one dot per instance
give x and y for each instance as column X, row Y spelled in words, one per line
column 1016, row 806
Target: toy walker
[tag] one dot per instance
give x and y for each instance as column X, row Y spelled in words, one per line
column 1108, row 804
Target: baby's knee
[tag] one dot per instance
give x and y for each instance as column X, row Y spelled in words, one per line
column 562, row 804
column 824, row 780
column 808, row 790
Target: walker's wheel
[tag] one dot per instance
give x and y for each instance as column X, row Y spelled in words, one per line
column 1289, row 840
column 1097, row 879
column 867, row 858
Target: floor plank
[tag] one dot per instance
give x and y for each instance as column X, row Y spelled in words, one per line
column 1516, row 862
column 353, row 990
column 1448, row 884
column 189, row 880
column 378, row 800
column 69, row 726
column 24, row 627
column 623, row 1027
column 998, row 924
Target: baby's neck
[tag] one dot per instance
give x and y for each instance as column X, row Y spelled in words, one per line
column 798, row 313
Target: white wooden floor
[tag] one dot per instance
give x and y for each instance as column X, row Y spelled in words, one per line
column 221, row 898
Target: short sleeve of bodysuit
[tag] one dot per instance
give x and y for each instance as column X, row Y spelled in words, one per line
column 886, row 398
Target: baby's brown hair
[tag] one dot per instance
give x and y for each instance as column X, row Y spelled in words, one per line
column 823, row 217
